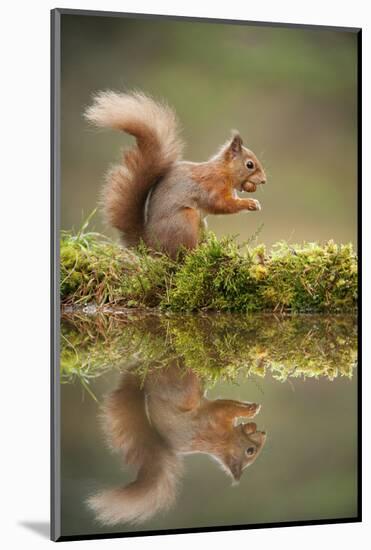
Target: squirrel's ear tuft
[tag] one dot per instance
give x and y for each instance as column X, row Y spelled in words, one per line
column 235, row 146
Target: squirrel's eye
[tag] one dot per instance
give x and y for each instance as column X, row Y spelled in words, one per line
column 250, row 164
column 250, row 451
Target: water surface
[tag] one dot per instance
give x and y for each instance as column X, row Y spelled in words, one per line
column 164, row 400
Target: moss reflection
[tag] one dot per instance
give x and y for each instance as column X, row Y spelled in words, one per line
column 215, row 347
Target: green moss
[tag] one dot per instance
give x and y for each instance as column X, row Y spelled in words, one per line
column 219, row 275
column 95, row 270
column 216, row 346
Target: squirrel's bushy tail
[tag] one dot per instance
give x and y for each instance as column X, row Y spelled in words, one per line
column 128, row 430
column 154, row 489
column 155, row 127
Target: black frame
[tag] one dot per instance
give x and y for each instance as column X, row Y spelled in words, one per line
column 55, row 527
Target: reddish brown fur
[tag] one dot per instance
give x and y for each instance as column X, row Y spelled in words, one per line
column 153, row 424
column 217, row 181
column 154, row 195
column 155, row 128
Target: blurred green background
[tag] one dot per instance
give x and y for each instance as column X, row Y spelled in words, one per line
column 290, row 92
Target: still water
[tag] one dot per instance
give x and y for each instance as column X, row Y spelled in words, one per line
column 199, row 421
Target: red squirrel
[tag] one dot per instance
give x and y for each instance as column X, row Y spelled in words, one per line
column 156, row 197
column 154, row 424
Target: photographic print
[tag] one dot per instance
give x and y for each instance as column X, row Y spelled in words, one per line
column 205, row 193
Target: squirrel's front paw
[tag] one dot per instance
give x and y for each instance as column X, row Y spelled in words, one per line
column 252, row 409
column 254, row 205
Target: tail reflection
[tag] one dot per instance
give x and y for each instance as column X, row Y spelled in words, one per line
column 153, row 424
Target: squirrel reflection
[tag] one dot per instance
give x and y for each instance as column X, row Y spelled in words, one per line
column 153, row 423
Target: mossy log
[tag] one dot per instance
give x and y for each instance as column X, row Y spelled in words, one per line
column 219, row 275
